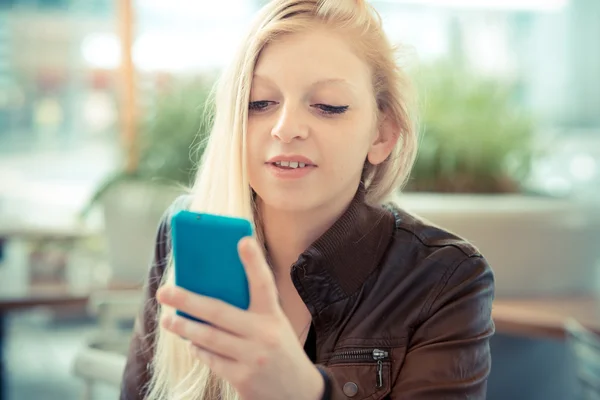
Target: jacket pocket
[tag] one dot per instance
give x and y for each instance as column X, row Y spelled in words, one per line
column 361, row 374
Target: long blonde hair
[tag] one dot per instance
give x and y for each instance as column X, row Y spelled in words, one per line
column 222, row 185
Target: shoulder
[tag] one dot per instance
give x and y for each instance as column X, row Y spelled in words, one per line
column 436, row 263
column 426, row 235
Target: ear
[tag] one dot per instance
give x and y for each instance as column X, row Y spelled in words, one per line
column 385, row 139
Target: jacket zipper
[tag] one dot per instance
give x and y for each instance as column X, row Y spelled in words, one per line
column 365, row 355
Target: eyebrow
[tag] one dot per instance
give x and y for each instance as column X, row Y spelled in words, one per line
column 321, row 82
column 331, row 81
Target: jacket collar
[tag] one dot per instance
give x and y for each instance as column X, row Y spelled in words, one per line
column 338, row 263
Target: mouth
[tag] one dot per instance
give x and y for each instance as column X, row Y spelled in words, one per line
column 290, row 167
column 291, row 164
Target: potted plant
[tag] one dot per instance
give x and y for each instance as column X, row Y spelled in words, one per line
column 470, row 177
column 475, row 139
column 170, row 141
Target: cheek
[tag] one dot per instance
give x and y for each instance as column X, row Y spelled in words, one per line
column 255, row 139
column 257, row 151
column 348, row 152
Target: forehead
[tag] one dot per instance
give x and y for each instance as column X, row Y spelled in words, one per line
column 318, row 55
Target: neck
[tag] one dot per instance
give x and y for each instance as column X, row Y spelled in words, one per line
column 289, row 233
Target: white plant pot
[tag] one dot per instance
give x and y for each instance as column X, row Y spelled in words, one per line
column 536, row 246
column 132, row 212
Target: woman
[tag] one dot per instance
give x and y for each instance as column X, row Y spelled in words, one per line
column 313, row 131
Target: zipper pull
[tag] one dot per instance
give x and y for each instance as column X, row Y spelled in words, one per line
column 379, row 355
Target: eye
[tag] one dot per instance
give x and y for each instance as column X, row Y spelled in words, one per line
column 329, row 109
column 260, row 105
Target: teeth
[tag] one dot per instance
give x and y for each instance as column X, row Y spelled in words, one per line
column 290, row 164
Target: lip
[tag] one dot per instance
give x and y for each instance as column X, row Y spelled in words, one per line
column 298, row 158
column 289, row 174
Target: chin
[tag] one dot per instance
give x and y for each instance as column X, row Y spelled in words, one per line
column 285, row 203
column 288, row 200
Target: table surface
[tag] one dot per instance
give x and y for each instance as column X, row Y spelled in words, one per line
column 545, row 317
column 20, row 295
column 53, row 295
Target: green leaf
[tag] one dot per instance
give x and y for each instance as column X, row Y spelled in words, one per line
column 476, row 136
column 171, row 138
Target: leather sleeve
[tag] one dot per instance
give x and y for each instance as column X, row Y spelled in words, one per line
column 137, row 369
column 449, row 354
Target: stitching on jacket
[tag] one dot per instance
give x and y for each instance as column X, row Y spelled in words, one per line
column 460, row 243
column 443, row 282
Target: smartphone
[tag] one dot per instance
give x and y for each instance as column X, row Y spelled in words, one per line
column 206, row 258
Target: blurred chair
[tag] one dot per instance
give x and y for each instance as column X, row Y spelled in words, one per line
column 585, row 348
column 102, row 359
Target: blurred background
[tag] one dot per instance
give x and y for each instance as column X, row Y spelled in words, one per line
column 102, row 115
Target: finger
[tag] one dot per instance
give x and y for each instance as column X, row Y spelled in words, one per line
column 207, row 337
column 213, row 311
column 263, row 292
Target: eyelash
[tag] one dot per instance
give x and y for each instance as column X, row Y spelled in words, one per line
column 261, row 105
column 327, row 109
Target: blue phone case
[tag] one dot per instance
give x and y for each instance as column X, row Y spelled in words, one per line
column 206, row 257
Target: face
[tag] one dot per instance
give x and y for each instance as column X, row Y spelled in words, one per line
column 312, row 122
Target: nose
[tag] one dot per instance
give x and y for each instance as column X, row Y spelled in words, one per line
column 289, row 125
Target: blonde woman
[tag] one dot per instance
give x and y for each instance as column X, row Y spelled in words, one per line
column 349, row 299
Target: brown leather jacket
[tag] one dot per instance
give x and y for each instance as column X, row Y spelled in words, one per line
column 401, row 309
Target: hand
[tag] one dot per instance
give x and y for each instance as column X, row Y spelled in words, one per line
column 255, row 350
